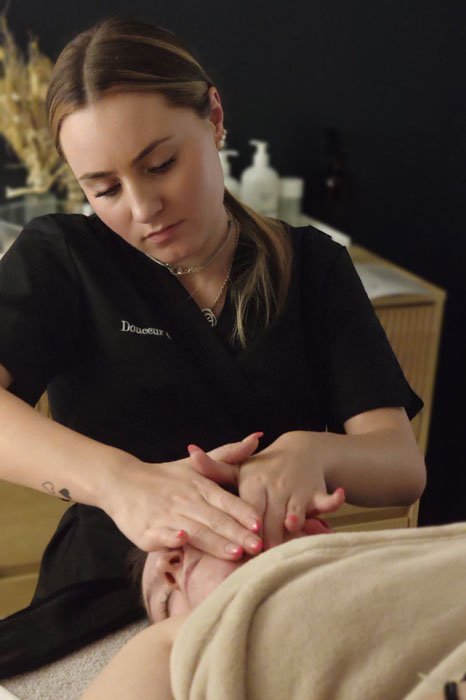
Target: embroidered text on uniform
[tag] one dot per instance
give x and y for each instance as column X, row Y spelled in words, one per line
column 130, row 328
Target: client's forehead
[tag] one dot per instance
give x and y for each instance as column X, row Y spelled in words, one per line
column 151, row 580
column 149, row 571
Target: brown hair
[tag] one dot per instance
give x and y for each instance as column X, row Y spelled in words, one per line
column 126, row 55
column 135, row 562
column 134, row 565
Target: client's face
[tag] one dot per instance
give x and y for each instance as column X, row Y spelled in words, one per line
column 175, row 581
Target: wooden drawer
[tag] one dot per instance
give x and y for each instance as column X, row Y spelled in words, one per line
column 16, row 592
column 27, row 521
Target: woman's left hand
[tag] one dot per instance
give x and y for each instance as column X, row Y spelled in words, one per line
column 284, row 482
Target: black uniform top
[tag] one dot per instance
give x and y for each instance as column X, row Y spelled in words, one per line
column 128, row 359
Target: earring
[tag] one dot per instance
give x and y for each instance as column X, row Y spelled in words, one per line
column 221, row 143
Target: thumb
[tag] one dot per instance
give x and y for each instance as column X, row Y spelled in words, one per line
column 212, row 469
column 237, row 452
column 329, row 503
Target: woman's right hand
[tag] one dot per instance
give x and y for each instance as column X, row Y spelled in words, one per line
column 169, row 503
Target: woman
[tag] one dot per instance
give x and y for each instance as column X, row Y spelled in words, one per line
column 173, row 583
column 175, row 315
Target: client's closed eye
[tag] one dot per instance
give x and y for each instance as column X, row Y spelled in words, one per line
column 164, row 603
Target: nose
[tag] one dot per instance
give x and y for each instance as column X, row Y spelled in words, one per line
column 145, row 203
column 170, row 565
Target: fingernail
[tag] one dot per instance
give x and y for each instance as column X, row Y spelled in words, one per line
column 233, row 549
column 254, row 525
column 341, row 490
column 253, row 435
column 254, row 543
column 180, row 534
column 193, row 448
column 292, row 518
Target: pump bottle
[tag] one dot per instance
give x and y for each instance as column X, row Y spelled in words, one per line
column 231, row 183
column 260, row 184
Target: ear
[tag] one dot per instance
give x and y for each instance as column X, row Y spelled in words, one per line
column 216, row 113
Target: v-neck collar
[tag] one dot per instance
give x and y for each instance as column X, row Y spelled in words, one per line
column 190, row 330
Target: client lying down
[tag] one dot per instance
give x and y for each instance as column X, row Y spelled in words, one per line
column 373, row 615
column 173, row 582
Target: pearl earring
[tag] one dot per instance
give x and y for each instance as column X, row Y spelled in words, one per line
column 221, row 143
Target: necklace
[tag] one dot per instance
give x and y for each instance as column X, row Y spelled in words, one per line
column 178, row 270
column 209, row 311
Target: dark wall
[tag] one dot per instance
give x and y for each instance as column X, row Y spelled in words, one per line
column 389, row 77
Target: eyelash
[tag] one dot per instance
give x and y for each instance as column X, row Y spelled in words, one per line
column 159, row 169
column 164, row 604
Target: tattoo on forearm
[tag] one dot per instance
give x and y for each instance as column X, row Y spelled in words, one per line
column 63, row 494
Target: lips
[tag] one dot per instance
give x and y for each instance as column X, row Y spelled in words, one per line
column 161, row 230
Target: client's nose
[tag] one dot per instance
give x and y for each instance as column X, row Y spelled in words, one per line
column 170, row 565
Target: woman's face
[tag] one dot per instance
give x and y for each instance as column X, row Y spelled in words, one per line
column 175, row 581
column 144, row 165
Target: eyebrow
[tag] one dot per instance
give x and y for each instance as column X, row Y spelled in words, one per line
column 154, row 583
column 145, row 152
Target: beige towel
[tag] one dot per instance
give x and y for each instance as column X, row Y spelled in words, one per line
column 331, row 617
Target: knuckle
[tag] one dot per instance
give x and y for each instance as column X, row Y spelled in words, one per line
column 257, row 480
column 198, row 530
column 224, row 502
column 181, row 499
column 295, row 508
column 204, row 489
column 217, row 522
column 148, row 541
column 280, row 484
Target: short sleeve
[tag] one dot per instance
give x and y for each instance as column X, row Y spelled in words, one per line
column 363, row 371
column 39, row 307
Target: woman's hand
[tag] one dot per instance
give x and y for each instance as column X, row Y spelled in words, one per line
column 164, row 505
column 284, row 483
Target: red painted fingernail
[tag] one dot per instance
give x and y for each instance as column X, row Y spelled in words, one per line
column 291, row 517
column 255, row 526
column 194, row 448
column 234, row 549
column 180, row 534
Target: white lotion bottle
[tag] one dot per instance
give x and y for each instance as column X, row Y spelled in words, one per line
column 291, row 194
column 260, row 184
column 231, row 183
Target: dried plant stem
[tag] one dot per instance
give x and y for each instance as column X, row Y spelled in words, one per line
column 23, row 121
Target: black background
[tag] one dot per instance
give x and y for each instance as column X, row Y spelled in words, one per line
column 389, row 76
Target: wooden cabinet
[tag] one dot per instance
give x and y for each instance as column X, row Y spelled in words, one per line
column 27, row 521
column 413, row 324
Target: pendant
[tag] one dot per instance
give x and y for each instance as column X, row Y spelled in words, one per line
column 210, row 316
column 177, row 271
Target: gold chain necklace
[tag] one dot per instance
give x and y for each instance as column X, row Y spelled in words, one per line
column 178, row 270
column 209, row 311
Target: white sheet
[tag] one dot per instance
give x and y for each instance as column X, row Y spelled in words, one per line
column 67, row 678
